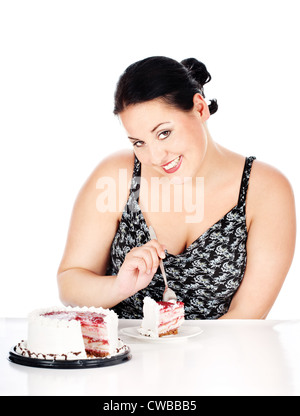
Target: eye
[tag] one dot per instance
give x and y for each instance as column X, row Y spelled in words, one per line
column 138, row 143
column 164, row 134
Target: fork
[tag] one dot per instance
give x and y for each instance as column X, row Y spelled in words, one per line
column 169, row 294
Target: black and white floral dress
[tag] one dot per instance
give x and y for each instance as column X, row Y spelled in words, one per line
column 205, row 276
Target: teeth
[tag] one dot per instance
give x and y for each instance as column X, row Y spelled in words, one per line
column 172, row 164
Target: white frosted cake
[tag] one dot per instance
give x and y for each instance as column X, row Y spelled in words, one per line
column 70, row 333
column 161, row 318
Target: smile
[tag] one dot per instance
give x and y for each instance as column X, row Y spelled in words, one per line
column 173, row 166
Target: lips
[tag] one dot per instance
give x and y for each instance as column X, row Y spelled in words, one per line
column 172, row 166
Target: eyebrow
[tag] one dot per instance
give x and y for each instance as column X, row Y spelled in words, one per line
column 156, row 127
column 153, row 130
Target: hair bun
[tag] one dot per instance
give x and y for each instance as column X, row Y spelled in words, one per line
column 213, row 106
column 197, row 70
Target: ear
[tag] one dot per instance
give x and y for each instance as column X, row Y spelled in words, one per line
column 201, row 107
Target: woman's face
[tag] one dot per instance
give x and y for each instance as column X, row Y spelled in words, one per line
column 170, row 141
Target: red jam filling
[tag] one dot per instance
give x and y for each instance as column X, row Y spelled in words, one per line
column 169, row 305
column 85, row 318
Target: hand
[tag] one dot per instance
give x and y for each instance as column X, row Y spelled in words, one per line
column 139, row 267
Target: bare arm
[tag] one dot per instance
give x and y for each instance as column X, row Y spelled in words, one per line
column 81, row 275
column 270, row 244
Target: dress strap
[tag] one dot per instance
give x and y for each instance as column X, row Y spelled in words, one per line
column 134, row 193
column 245, row 180
column 136, row 179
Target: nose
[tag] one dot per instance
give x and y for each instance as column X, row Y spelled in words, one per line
column 157, row 154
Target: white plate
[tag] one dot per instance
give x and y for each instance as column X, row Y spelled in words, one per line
column 184, row 332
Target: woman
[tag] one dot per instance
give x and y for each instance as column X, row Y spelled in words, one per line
column 225, row 224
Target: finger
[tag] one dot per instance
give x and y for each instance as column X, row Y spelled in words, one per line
column 149, row 254
column 160, row 248
column 143, row 268
column 155, row 258
column 152, row 262
column 150, row 257
column 141, row 258
column 137, row 262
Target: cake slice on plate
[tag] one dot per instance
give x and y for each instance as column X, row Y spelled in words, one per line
column 161, row 318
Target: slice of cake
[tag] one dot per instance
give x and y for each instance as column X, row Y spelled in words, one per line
column 68, row 333
column 161, row 318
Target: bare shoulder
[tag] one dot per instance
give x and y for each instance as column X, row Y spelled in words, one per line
column 269, row 191
column 107, row 185
column 122, row 159
column 110, row 169
column 266, row 179
column 110, row 165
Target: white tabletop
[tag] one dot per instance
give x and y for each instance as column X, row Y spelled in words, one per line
column 230, row 357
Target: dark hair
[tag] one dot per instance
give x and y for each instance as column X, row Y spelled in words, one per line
column 159, row 77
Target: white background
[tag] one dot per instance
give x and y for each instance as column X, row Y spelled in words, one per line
column 60, row 61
